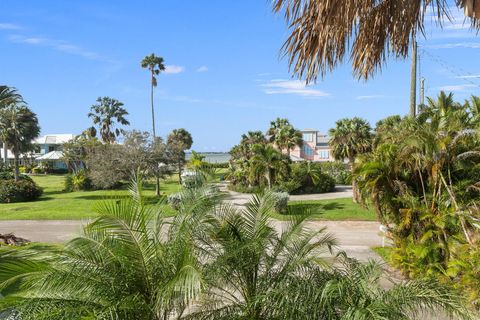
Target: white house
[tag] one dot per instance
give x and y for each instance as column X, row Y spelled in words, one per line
column 48, row 148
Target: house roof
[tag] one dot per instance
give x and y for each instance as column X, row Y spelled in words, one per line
column 295, row 158
column 54, row 138
column 52, row 155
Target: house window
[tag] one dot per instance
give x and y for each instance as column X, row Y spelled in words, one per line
column 308, row 137
column 324, row 154
column 307, row 150
column 51, row 148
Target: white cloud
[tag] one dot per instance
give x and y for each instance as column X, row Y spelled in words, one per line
column 469, row 77
column 457, row 87
column 172, row 69
column 470, row 45
column 297, row 87
column 58, row 45
column 9, row 26
column 202, row 69
column 373, row 96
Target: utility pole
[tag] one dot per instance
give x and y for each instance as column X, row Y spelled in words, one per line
column 413, row 81
column 422, row 93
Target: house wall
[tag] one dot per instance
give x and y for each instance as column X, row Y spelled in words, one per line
column 315, row 147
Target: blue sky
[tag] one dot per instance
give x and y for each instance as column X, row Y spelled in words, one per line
column 225, row 73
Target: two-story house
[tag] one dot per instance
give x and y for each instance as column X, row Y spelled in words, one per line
column 48, row 148
column 315, row 147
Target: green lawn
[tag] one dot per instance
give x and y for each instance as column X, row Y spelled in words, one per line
column 56, row 204
column 336, row 209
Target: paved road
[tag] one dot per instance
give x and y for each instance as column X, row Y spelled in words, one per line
column 240, row 199
column 355, row 237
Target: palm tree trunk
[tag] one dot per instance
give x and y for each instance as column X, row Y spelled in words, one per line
column 17, row 169
column 5, row 152
column 180, row 172
column 269, row 179
column 157, row 184
column 157, row 177
column 355, row 196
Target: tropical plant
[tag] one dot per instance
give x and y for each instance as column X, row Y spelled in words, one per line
column 107, row 114
column 348, row 139
column 323, row 32
column 210, row 261
column 420, row 179
column 267, row 162
column 178, row 141
column 18, row 128
column 132, row 262
column 8, row 96
column 155, row 65
column 254, row 272
column 284, row 135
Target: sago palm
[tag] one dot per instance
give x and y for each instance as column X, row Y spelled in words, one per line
column 250, row 263
column 132, row 262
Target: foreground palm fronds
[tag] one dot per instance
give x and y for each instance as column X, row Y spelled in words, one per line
column 211, row 261
column 324, row 32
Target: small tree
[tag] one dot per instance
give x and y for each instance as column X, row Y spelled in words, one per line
column 108, row 113
column 18, row 127
column 178, row 141
column 8, row 96
column 348, row 139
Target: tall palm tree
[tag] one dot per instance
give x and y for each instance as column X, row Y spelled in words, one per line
column 8, row 96
column 155, row 65
column 18, row 128
column 324, row 32
column 284, row 135
column 348, row 139
column 107, row 113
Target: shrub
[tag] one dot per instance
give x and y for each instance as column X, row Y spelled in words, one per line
column 219, row 165
column 38, row 170
column 19, row 191
column 59, row 171
column 192, row 179
column 245, row 189
column 338, row 171
column 78, row 181
column 280, row 201
column 288, row 186
column 174, row 200
column 310, row 179
column 8, row 175
column 22, row 169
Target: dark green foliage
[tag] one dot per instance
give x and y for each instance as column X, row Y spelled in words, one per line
column 280, row 201
column 19, row 191
column 338, row 170
column 423, row 180
column 311, row 179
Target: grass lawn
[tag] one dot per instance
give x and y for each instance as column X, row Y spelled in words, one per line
column 58, row 205
column 335, row 209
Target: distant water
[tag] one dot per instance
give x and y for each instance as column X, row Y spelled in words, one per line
column 219, row 157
